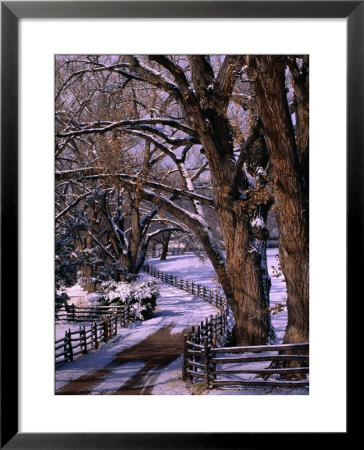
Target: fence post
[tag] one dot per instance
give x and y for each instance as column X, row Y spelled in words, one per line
column 83, row 338
column 193, row 288
column 189, row 338
column 95, row 334
column 211, row 327
column 65, row 347
column 73, row 313
column 115, row 326
column 184, row 365
column 106, row 330
column 70, row 344
column 206, row 365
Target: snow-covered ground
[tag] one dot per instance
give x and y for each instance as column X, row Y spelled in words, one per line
column 63, row 326
column 78, row 297
column 195, row 269
column 177, row 310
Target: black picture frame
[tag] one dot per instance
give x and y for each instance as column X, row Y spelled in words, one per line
column 11, row 12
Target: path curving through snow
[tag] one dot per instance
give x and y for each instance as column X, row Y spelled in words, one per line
column 134, row 361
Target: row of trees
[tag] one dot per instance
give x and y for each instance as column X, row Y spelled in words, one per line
column 196, row 145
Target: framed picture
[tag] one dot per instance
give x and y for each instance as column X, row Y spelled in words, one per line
column 28, row 195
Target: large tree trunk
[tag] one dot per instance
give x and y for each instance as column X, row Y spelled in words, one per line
column 289, row 192
column 250, row 298
column 244, row 286
column 242, row 280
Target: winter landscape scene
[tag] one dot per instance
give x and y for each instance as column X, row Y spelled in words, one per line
column 181, row 225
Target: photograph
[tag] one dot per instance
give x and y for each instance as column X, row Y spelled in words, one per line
column 181, row 197
column 181, row 224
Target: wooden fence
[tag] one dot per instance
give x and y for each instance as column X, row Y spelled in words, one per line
column 83, row 340
column 94, row 313
column 209, row 295
column 202, row 362
column 171, row 252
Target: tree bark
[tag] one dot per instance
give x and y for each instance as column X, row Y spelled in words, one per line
column 289, row 193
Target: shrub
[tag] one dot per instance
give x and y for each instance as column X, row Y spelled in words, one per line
column 140, row 296
column 61, row 300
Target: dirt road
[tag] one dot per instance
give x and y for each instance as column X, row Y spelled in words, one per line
column 156, row 352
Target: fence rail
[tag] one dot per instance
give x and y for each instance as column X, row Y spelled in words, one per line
column 84, row 339
column 171, row 252
column 209, row 332
column 95, row 313
column 209, row 295
column 202, row 359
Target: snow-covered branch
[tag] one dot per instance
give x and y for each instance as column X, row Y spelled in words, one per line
column 72, row 205
column 101, row 127
column 98, row 172
column 103, row 248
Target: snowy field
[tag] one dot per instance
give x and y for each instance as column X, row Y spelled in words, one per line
column 178, row 311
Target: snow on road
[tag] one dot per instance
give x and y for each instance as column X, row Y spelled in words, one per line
column 176, row 310
column 188, row 266
column 117, row 368
column 199, row 270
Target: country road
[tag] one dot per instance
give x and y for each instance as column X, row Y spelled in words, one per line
column 133, row 361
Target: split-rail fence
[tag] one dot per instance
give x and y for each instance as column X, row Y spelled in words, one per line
column 205, row 362
column 83, row 340
column 105, row 321
column 94, row 313
column 211, row 296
